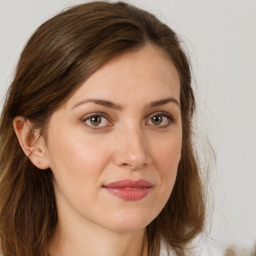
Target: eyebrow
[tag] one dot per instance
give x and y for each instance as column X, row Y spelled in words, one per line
column 163, row 102
column 109, row 104
column 104, row 103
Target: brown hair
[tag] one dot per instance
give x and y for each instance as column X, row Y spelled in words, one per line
column 57, row 59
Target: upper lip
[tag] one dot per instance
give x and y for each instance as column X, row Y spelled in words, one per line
column 129, row 184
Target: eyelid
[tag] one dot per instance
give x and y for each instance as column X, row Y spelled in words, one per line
column 100, row 114
column 167, row 115
column 164, row 114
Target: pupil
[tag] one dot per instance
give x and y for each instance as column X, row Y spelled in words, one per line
column 157, row 120
column 96, row 120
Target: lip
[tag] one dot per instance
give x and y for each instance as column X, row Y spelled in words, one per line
column 130, row 190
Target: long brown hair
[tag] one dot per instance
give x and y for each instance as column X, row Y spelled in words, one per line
column 57, row 59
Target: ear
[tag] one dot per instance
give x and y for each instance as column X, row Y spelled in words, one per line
column 31, row 142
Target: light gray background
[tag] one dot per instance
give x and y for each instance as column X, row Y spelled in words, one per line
column 220, row 36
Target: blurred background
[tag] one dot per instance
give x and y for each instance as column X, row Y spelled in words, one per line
column 220, row 37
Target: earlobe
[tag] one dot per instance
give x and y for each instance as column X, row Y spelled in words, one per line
column 31, row 142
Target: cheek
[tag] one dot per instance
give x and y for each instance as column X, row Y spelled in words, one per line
column 167, row 158
column 77, row 165
column 168, row 154
column 77, row 162
column 78, row 156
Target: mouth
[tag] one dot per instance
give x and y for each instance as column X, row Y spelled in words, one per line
column 129, row 190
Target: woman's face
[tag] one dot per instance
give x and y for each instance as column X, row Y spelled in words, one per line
column 115, row 145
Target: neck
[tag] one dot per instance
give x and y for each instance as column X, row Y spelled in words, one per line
column 97, row 241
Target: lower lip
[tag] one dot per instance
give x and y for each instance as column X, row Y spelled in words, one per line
column 129, row 194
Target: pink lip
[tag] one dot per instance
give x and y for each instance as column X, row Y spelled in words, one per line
column 131, row 190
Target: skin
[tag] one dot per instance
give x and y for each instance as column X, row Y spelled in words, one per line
column 125, row 144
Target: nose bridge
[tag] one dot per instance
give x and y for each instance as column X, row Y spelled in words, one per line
column 132, row 149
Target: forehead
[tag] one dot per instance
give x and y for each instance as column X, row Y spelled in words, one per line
column 136, row 75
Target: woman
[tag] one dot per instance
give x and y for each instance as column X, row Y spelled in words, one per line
column 96, row 152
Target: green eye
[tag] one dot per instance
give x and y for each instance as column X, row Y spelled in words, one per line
column 95, row 120
column 162, row 120
column 157, row 120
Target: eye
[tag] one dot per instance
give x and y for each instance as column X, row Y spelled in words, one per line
column 161, row 119
column 96, row 121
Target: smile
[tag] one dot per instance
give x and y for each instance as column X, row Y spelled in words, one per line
column 129, row 190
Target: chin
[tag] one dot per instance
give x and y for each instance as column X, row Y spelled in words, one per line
column 130, row 222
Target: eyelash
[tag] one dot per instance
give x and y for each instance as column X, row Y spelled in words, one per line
column 170, row 119
column 97, row 114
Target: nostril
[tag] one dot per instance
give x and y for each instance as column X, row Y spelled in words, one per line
column 133, row 154
column 135, row 165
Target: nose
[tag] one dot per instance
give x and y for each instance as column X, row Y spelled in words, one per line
column 132, row 150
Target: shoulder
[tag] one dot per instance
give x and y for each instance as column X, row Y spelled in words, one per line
column 202, row 248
